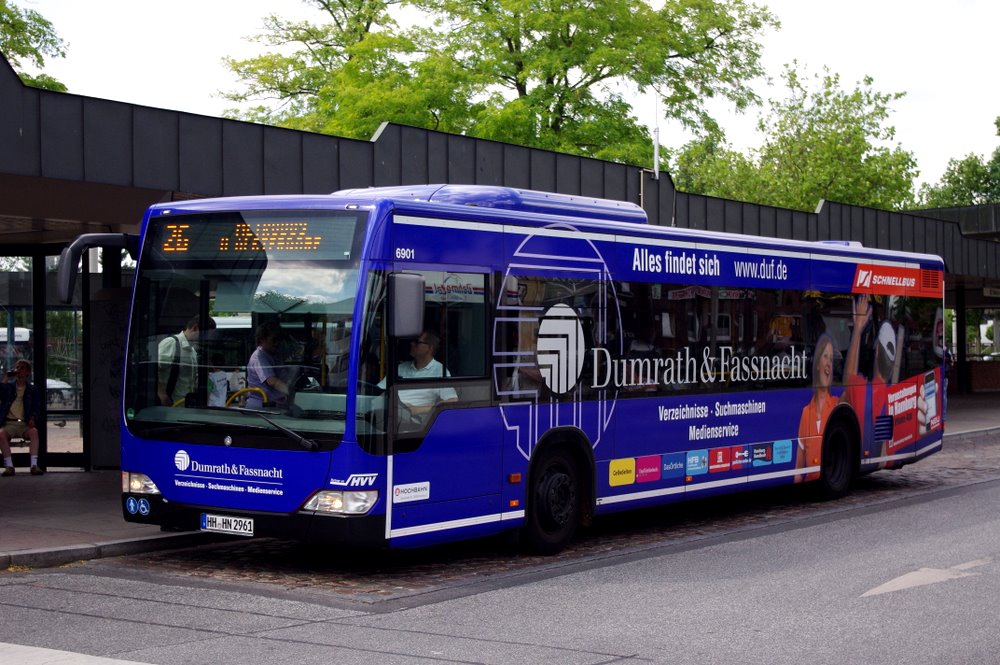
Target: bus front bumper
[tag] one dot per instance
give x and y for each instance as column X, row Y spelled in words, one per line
column 309, row 527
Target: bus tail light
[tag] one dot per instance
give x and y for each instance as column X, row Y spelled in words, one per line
column 138, row 483
column 353, row 502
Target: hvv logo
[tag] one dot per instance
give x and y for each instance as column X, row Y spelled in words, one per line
column 560, row 348
column 864, row 278
column 356, row 480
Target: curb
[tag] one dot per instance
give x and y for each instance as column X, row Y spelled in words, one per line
column 58, row 556
column 957, row 437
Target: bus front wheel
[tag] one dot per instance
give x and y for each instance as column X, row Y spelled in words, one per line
column 554, row 503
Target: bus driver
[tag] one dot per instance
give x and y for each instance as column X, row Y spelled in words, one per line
column 264, row 370
column 419, row 402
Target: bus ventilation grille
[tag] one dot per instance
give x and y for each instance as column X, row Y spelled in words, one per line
column 883, row 428
column 930, row 280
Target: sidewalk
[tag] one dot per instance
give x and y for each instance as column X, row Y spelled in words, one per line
column 67, row 516
column 70, row 515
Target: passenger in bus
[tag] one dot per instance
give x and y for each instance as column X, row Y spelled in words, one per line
column 526, row 377
column 264, row 369
column 177, row 363
column 18, row 411
column 818, row 410
column 337, row 356
column 315, row 352
column 642, row 346
column 218, row 382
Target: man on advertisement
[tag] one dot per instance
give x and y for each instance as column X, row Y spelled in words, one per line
column 890, row 415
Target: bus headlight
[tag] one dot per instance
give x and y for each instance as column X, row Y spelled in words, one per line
column 138, row 483
column 354, row 502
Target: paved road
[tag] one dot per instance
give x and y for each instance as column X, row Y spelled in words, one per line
column 903, row 570
column 376, row 578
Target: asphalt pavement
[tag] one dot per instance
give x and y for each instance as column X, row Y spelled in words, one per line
column 69, row 515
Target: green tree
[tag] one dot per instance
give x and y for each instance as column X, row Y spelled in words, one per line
column 824, row 143
column 27, row 37
column 15, row 264
column 337, row 77
column 971, row 180
column 540, row 73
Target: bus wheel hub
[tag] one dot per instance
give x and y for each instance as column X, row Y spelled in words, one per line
column 558, row 497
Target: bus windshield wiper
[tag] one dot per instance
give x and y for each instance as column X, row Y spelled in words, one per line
column 307, row 443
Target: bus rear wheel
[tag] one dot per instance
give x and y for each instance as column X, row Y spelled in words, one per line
column 553, row 503
column 837, row 467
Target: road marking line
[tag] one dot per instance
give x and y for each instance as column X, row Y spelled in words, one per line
column 22, row 655
column 926, row 576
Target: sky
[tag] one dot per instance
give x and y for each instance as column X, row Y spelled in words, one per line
column 168, row 54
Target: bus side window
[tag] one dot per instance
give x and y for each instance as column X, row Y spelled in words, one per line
column 456, row 314
column 452, row 345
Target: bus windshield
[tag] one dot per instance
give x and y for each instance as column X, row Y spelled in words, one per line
column 241, row 328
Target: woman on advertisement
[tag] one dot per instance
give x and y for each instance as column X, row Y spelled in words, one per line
column 817, row 411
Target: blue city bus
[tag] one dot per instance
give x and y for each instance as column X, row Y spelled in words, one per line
column 459, row 361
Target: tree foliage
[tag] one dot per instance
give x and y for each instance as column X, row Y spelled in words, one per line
column 554, row 74
column 26, row 37
column 823, row 143
column 971, row 180
column 342, row 77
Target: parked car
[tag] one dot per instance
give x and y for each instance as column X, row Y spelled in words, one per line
column 58, row 391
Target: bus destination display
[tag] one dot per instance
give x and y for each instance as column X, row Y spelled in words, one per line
column 321, row 238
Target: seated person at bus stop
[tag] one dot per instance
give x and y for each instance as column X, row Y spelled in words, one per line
column 263, row 368
column 419, row 402
column 18, row 411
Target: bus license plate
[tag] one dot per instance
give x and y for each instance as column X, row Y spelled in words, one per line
column 238, row 526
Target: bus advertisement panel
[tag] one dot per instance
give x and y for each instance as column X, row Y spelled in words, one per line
column 433, row 363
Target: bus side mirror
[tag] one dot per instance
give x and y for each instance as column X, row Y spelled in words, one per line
column 406, row 300
column 69, row 259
